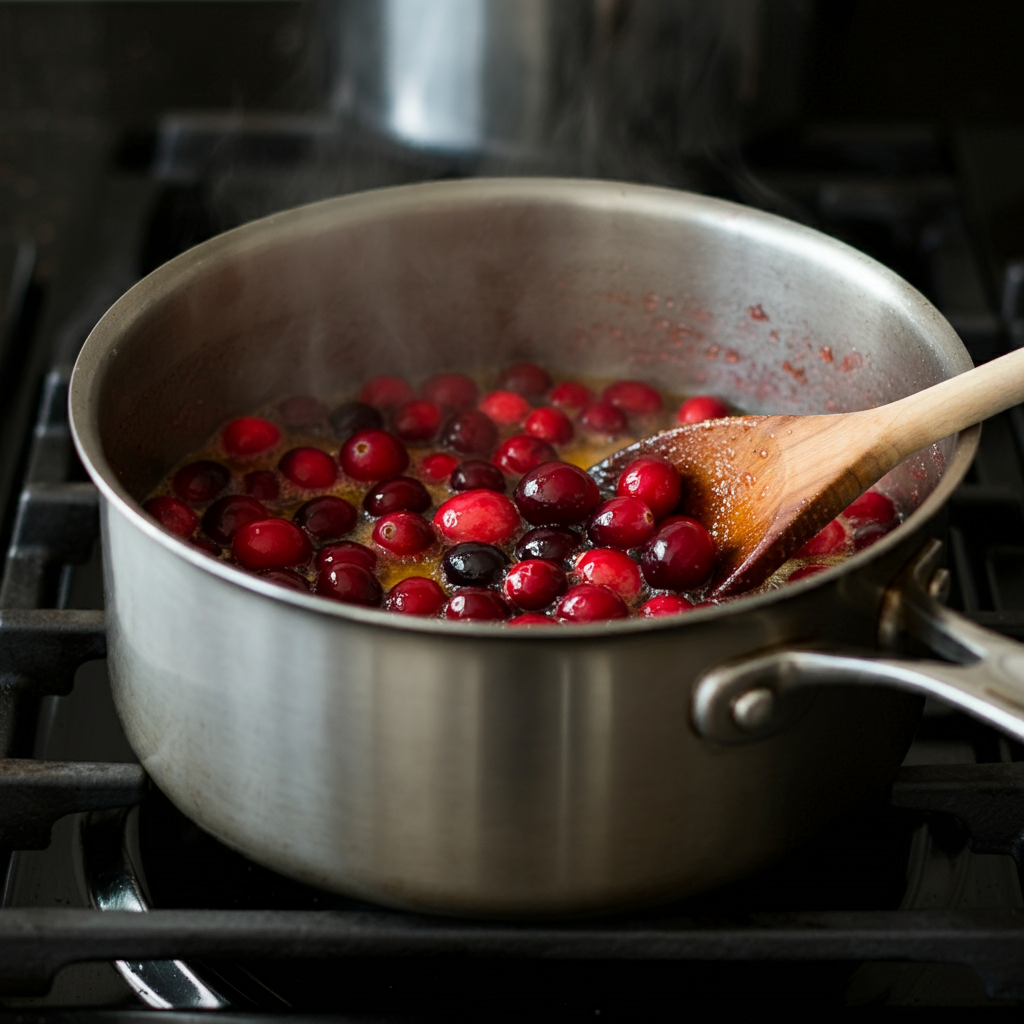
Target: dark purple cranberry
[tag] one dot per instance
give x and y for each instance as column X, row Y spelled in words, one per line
column 352, row 416
column 526, row 378
column 679, row 556
column 286, row 578
column 470, row 432
column 476, row 604
column 552, row 543
column 476, row 474
column 200, row 481
column 346, row 551
column 349, row 583
column 327, row 518
column 473, row 564
column 172, row 514
column 261, row 484
column 556, row 493
column 400, row 493
column 227, row 515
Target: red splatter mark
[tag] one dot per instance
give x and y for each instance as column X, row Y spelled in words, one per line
column 757, row 313
column 731, row 355
column 773, row 335
column 712, row 352
column 650, row 302
column 796, row 372
column 854, row 361
column 826, row 353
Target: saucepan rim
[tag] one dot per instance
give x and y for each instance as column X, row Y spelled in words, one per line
column 101, row 346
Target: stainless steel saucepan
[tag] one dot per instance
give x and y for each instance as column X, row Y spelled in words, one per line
column 468, row 768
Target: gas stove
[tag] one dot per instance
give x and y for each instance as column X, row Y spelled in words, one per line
column 114, row 900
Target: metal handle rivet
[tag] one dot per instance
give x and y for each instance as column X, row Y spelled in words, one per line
column 754, row 709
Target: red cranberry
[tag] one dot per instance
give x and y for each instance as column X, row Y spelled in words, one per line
column 474, row 474
column 477, row 515
column 249, row 435
column 349, row 583
column 400, row 493
column 473, row 564
column 451, row 391
column 287, row 578
column 526, row 378
column 226, row 515
column 415, row 595
column 633, row 397
column 270, row 544
column 172, row 515
column 531, row 619
column 309, row 468
column 326, row 518
column 552, row 543
column 475, row 604
column 261, row 484
column 869, row 533
column 346, row 552
column 470, row 432
column 534, row 584
column 680, row 555
column 352, row 416
column 301, row 411
column 665, row 604
column 570, row 395
column 506, row 408
column 200, row 481
column 521, row 453
column 621, row 523
column 549, row 424
column 588, row 602
column 612, row 569
column 701, row 407
column 385, row 392
column 417, row 420
column 654, row 481
column 403, row 534
column 604, row 419
column 556, row 493
column 805, row 571
column 373, row 455
column 832, row 540
column 438, row 466
column 870, row 507
column 206, row 546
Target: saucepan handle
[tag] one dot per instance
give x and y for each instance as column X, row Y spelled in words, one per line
column 758, row 696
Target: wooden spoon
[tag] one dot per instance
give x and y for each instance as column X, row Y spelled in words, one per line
column 764, row 485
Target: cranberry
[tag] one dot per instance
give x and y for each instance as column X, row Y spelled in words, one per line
column 588, row 602
column 206, row 546
column 633, row 397
column 373, row 455
column 534, row 584
column 506, row 408
column 172, row 515
column 621, row 523
column 451, row 391
column 438, row 466
column 226, row 515
column 347, row 552
column 832, row 540
column 604, row 419
column 526, row 378
column 301, row 411
column 679, row 556
column 385, row 392
column 552, row 543
column 654, row 481
column 349, row 583
column 701, row 407
column 352, row 416
column 470, row 433
column 549, row 424
column 474, row 474
column 870, row 507
column 270, row 544
column 476, row 604
column 309, row 468
column 249, row 435
column 403, row 533
column 570, row 395
column 612, row 569
column 415, row 595
column 261, row 484
column 473, row 564
column 805, row 571
column 665, row 604
column 286, row 578
column 556, row 493
column 400, row 493
column 326, row 518
column 868, row 534
column 417, row 420
column 200, row 481
column 521, row 453
column 477, row 515
column 531, row 619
